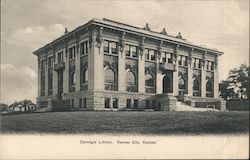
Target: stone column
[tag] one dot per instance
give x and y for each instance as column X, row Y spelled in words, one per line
column 66, row 71
column 175, row 74
column 78, row 63
column 55, row 77
column 141, row 72
column 39, row 77
column 46, row 75
column 95, row 69
column 97, row 59
column 203, row 75
column 121, row 72
column 216, row 82
column 111, row 103
column 121, row 68
column 190, row 74
column 159, row 84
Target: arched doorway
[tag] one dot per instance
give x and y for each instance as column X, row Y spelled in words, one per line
column 167, row 85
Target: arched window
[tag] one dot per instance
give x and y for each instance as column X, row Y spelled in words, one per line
column 149, row 80
column 209, row 87
column 196, row 85
column 131, row 78
column 109, row 76
column 182, row 83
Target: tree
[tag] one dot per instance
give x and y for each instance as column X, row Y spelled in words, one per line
column 236, row 86
column 3, row 107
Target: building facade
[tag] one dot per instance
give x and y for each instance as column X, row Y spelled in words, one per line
column 107, row 65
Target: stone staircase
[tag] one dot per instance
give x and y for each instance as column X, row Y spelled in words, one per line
column 180, row 106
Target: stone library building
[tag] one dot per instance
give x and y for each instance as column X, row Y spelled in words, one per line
column 108, row 65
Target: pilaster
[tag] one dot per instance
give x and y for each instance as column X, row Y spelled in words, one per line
column 55, row 77
column 46, row 75
column 66, row 71
column 190, row 73
column 121, row 64
column 159, row 84
column 95, row 62
column 203, row 75
column 77, row 85
column 39, row 77
column 216, row 77
column 175, row 74
column 141, row 69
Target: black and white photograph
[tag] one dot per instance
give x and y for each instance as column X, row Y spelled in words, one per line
column 130, row 79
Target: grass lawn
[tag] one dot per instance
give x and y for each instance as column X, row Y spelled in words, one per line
column 161, row 123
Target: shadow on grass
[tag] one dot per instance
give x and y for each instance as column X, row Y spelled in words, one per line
column 127, row 122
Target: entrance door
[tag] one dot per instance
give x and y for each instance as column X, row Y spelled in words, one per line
column 167, row 85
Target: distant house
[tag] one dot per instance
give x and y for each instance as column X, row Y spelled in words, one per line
column 22, row 107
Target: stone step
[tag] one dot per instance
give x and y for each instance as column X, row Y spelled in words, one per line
column 180, row 106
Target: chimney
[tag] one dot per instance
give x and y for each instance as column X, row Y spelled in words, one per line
column 66, row 30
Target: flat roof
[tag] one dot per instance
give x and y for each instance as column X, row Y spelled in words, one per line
column 134, row 30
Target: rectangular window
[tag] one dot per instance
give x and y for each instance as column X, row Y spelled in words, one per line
column 72, row 103
column 127, row 51
column 84, row 102
column 43, row 64
column 212, row 66
column 80, row 103
column 197, row 63
column 179, row 60
column 135, row 103
column 164, row 57
column 60, row 57
column 184, row 60
column 153, row 104
column 43, row 83
column 106, row 46
column 114, row 49
column 107, row 102
column 147, row 104
column 115, row 103
column 50, row 81
column 128, row 103
column 72, row 53
column 146, row 54
column 50, row 61
column 84, row 48
column 208, row 65
column 169, row 57
column 152, row 55
column 134, row 51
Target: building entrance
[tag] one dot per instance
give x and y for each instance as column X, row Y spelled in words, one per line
column 168, row 83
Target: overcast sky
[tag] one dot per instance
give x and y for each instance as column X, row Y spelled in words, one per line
column 29, row 24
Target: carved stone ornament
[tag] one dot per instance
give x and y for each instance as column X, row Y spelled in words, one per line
column 179, row 36
column 99, row 38
column 160, row 50
column 147, row 27
column 141, row 46
column 90, row 41
column 122, row 45
column 164, row 31
column 190, row 58
column 122, row 42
